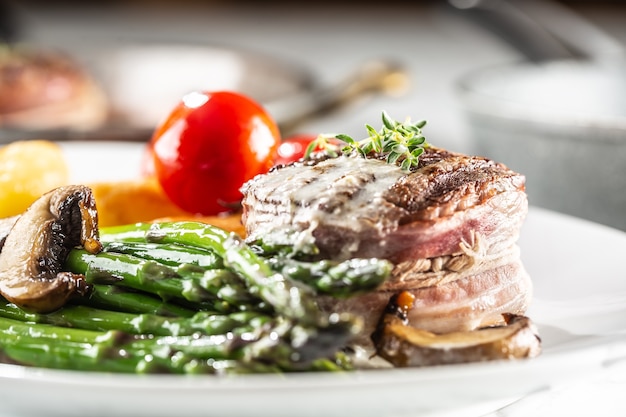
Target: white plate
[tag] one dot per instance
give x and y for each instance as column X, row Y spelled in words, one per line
column 579, row 305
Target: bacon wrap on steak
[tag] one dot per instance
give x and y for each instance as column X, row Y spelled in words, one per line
column 450, row 227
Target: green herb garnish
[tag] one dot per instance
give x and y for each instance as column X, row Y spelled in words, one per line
column 400, row 143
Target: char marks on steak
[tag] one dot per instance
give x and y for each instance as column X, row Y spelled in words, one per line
column 450, row 226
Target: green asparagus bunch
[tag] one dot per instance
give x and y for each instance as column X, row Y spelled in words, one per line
column 187, row 297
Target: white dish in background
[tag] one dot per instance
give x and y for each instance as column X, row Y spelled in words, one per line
column 103, row 161
column 579, row 305
column 145, row 80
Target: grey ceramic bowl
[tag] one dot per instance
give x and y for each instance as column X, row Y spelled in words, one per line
column 563, row 125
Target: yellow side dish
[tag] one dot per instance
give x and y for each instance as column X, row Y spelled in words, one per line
column 28, row 169
column 143, row 200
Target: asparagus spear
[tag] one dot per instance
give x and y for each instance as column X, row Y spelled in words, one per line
column 311, row 332
column 65, row 348
column 115, row 351
column 286, row 296
column 113, row 297
column 125, row 233
column 90, row 318
column 219, row 286
column 338, row 279
column 167, row 254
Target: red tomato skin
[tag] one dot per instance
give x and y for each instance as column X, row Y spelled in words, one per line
column 209, row 145
column 293, row 148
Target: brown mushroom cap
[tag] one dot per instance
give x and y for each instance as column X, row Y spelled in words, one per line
column 38, row 243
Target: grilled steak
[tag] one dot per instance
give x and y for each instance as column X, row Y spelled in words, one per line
column 450, row 226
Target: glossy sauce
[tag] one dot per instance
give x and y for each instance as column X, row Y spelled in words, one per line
column 342, row 191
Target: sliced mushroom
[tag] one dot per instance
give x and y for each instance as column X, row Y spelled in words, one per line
column 38, row 243
column 406, row 346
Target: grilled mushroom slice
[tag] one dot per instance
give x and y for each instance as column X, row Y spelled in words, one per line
column 406, row 346
column 38, row 243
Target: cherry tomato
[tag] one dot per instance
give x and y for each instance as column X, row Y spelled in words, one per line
column 294, row 147
column 208, row 146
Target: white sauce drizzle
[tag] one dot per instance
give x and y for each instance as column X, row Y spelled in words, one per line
column 344, row 192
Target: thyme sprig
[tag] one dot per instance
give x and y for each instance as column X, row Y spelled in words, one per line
column 400, row 143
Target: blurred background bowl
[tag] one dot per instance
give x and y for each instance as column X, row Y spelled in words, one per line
column 559, row 116
column 561, row 124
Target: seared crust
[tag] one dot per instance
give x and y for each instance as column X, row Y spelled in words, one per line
column 446, row 182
